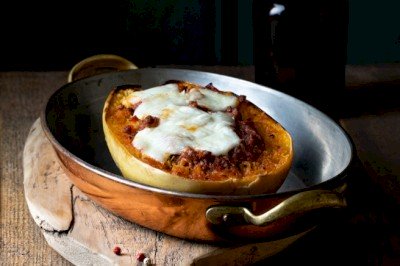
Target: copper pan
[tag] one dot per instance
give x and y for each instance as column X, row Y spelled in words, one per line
column 323, row 158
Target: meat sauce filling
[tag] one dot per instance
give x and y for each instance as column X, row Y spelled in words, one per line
column 249, row 149
column 205, row 165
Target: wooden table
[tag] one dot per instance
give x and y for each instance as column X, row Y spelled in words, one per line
column 369, row 233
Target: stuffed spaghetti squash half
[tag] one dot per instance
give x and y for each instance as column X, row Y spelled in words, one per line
column 187, row 137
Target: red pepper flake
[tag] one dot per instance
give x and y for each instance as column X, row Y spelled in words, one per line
column 140, row 256
column 117, row 250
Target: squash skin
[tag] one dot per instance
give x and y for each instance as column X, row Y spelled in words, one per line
column 259, row 182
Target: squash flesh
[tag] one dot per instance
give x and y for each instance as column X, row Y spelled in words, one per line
column 263, row 175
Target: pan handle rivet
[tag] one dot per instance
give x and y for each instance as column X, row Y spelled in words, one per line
column 225, row 217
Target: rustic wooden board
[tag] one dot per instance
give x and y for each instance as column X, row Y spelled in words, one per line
column 86, row 234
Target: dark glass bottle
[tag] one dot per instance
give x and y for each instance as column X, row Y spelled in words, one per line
column 300, row 48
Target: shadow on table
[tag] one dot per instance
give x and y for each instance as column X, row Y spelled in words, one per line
column 367, row 233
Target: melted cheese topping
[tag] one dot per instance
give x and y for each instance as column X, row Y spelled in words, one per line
column 182, row 125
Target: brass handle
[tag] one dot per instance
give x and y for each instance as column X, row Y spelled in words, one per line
column 300, row 203
column 97, row 64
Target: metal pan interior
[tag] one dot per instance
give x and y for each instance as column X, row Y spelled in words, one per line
column 72, row 120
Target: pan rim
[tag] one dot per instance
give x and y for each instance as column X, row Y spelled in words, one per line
column 120, row 179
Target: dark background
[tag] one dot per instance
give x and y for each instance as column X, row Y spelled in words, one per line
column 39, row 35
column 55, row 35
